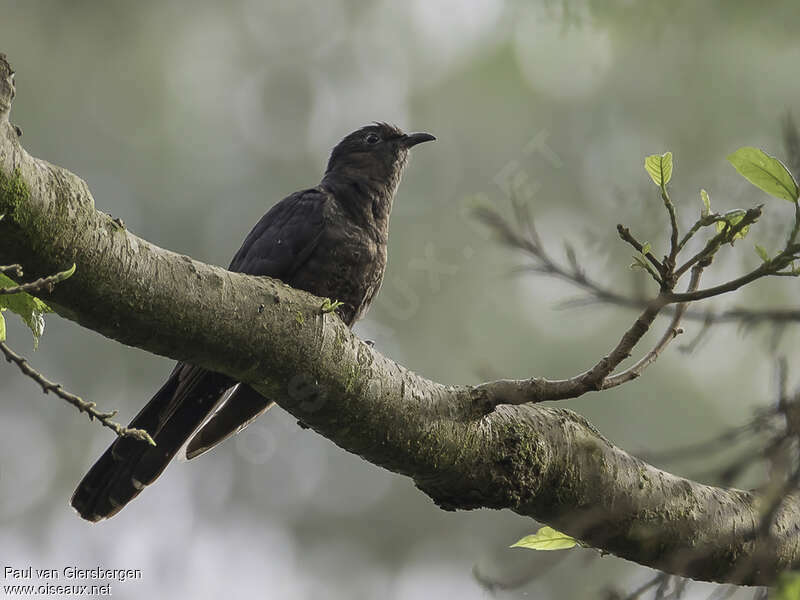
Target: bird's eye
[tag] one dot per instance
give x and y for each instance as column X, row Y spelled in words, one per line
column 372, row 138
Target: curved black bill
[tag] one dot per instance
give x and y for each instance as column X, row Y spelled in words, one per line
column 412, row 139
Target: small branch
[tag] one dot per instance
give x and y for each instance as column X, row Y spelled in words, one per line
column 689, row 234
column 699, row 224
column 626, row 236
column 673, row 222
column 43, row 284
column 577, row 277
column 90, row 408
column 524, row 391
column 595, row 378
column 718, row 290
column 15, row 270
column 773, row 267
column 724, row 236
column 670, row 334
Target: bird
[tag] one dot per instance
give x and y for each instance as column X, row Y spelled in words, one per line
column 329, row 240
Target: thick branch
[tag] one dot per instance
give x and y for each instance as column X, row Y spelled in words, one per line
column 547, row 463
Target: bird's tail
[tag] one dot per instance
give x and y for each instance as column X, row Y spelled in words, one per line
column 243, row 406
column 128, row 465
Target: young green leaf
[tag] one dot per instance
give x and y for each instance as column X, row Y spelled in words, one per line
column 659, row 167
column 765, row 172
column 546, row 538
column 646, row 247
column 30, row 309
column 732, row 218
column 706, row 210
column 762, row 253
column 2, row 327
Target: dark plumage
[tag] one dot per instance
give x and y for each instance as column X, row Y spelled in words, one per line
column 329, row 240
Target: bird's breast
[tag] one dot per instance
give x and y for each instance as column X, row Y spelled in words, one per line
column 347, row 265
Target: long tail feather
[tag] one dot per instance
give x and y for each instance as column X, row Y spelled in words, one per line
column 242, row 407
column 128, row 465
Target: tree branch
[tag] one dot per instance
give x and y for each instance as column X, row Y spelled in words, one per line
column 575, row 275
column 458, row 445
column 43, row 284
column 90, row 408
column 673, row 331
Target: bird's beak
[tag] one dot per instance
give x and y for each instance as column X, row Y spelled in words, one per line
column 412, row 139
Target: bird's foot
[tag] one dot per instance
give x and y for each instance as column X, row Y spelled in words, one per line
column 329, row 306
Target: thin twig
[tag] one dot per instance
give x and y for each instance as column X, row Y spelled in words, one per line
column 670, row 334
column 718, row 290
column 700, row 223
column 43, row 284
column 627, row 236
column 725, row 236
column 90, row 408
column 15, row 270
column 595, row 377
column 577, row 277
column 673, row 223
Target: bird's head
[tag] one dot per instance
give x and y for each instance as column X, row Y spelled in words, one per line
column 376, row 153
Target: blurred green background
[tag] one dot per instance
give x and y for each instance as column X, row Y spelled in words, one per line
column 189, row 120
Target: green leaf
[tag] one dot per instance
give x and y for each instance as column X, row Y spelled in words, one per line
column 765, row 172
column 546, row 538
column 646, row 247
column 732, row 218
column 788, row 587
column 706, row 210
column 659, row 167
column 2, row 328
column 30, row 309
column 762, row 253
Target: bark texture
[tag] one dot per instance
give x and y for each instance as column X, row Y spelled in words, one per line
column 461, row 445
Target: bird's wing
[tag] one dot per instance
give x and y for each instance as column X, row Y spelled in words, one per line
column 284, row 238
column 280, row 243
